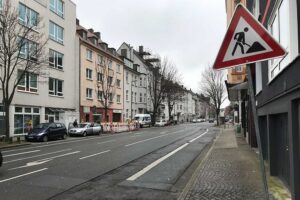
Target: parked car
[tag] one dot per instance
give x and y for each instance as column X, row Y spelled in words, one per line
column 1, row 159
column 143, row 119
column 47, row 131
column 161, row 122
column 211, row 120
column 194, row 120
column 85, row 129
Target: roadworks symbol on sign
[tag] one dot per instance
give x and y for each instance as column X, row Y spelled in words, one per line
column 246, row 41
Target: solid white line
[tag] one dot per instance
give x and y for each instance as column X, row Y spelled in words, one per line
column 15, row 177
column 198, row 136
column 16, row 154
column 146, row 169
column 106, row 141
column 36, row 156
column 94, row 154
column 67, row 154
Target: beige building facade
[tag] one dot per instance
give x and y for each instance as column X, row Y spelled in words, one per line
column 101, row 78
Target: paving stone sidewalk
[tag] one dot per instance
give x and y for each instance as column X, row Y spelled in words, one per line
column 229, row 171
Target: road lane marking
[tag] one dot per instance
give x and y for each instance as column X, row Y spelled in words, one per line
column 94, row 154
column 42, row 161
column 163, row 132
column 15, row 177
column 106, row 141
column 16, row 154
column 146, row 169
column 10, row 161
column 128, row 145
column 198, row 136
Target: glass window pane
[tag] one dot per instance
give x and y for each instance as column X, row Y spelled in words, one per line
column 36, row 110
column 52, row 30
column 59, row 60
column 51, row 84
column 18, row 109
column 18, row 122
column 33, row 18
column 51, row 57
column 284, row 23
column 52, row 5
column 27, row 110
column 22, row 14
column 60, row 8
column 59, row 86
column 33, row 80
column 27, row 123
column 60, row 34
column 35, row 120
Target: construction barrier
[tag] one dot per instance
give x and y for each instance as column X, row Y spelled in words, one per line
column 117, row 127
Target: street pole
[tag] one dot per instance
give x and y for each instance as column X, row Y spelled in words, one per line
column 255, row 120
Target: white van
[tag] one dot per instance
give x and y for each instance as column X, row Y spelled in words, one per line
column 143, row 119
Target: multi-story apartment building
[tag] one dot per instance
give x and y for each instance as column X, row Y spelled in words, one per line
column 277, row 87
column 101, row 78
column 51, row 97
column 135, row 82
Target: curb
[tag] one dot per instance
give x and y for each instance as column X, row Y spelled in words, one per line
column 193, row 178
column 13, row 146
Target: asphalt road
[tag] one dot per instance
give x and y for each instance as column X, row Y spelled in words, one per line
column 121, row 166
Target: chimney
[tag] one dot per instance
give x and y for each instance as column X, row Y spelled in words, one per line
column 91, row 30
column 77, row 21
column 141, row 49
column 98, row 34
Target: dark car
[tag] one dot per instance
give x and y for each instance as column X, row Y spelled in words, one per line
column 47, row 131
column 1, row 159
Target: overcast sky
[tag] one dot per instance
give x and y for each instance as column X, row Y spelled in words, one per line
column 188, row 32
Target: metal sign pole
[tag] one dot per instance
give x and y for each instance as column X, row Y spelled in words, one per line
column 255, row 120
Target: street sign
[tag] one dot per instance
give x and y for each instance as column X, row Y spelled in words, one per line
column 246, row 41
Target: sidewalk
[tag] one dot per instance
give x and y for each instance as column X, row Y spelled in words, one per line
column 230, row 170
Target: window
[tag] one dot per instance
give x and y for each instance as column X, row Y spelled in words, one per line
column 141, row 97
column 127, row 113
column 131, row 96
column 118, row 83
column 57, row 6
column 89, row 93
column 55, row 87
column 127, row 81
column 99, row 77
column 1, row 5
column 110, row 64
column 25, row 118
column 89, row 55
column 141, row 81
column 56, row 32
column 145, row 82
column 56, row 59
column 126, row 95
column 89, row 74
column 28, row 49
column 135, row 97
column 110, row 96
column 118, row 98
column 135, row 80
column 280, row 28
column 118, row 68
column 110, row 80
column 27, row 16
column 100, row 60
column 238, row 68
column 145, row 98
column 180, row 107
column 100, row 95
column 28, row 82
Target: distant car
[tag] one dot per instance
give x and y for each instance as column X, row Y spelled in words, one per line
column 85, row 129
column 194, row 120
column 1, row 159
column 161, row 122
column 211, row 120
column 200, row 120
column 47, row 131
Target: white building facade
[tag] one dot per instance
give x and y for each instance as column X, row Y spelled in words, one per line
column 52, row 97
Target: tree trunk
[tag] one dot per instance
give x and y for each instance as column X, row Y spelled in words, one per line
column 218, row 123
column 7, row 121
column 170, row 108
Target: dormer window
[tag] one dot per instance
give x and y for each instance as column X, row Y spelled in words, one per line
column 84, row 35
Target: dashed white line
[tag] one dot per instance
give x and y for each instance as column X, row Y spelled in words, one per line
column 16, row 154
column 106, row 141
column 146, row 169
column 198, row 136
column 15, row 177
column 10, row 161
column 94, row 154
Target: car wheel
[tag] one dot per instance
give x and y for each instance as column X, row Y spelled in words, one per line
column 64, row 136
column 84, row 134
column 45, row 138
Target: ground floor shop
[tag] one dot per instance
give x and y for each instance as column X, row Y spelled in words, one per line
column 94, row 114
column 24, row 117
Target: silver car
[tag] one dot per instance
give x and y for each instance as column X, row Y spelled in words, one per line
column 85, row 129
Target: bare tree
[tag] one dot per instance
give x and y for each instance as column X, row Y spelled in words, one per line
column 160, row 76
column 21, row 53
column 212, row 86
column 105, row 86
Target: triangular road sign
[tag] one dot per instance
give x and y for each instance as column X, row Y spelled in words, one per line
column 246, row 41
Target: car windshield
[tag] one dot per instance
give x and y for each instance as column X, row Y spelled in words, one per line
column 136, row 118
column 82, row 125
column 42, row 125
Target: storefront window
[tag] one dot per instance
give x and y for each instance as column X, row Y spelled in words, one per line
column 25, row 118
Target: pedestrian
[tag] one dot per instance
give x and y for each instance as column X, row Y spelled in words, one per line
column 75, row 123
